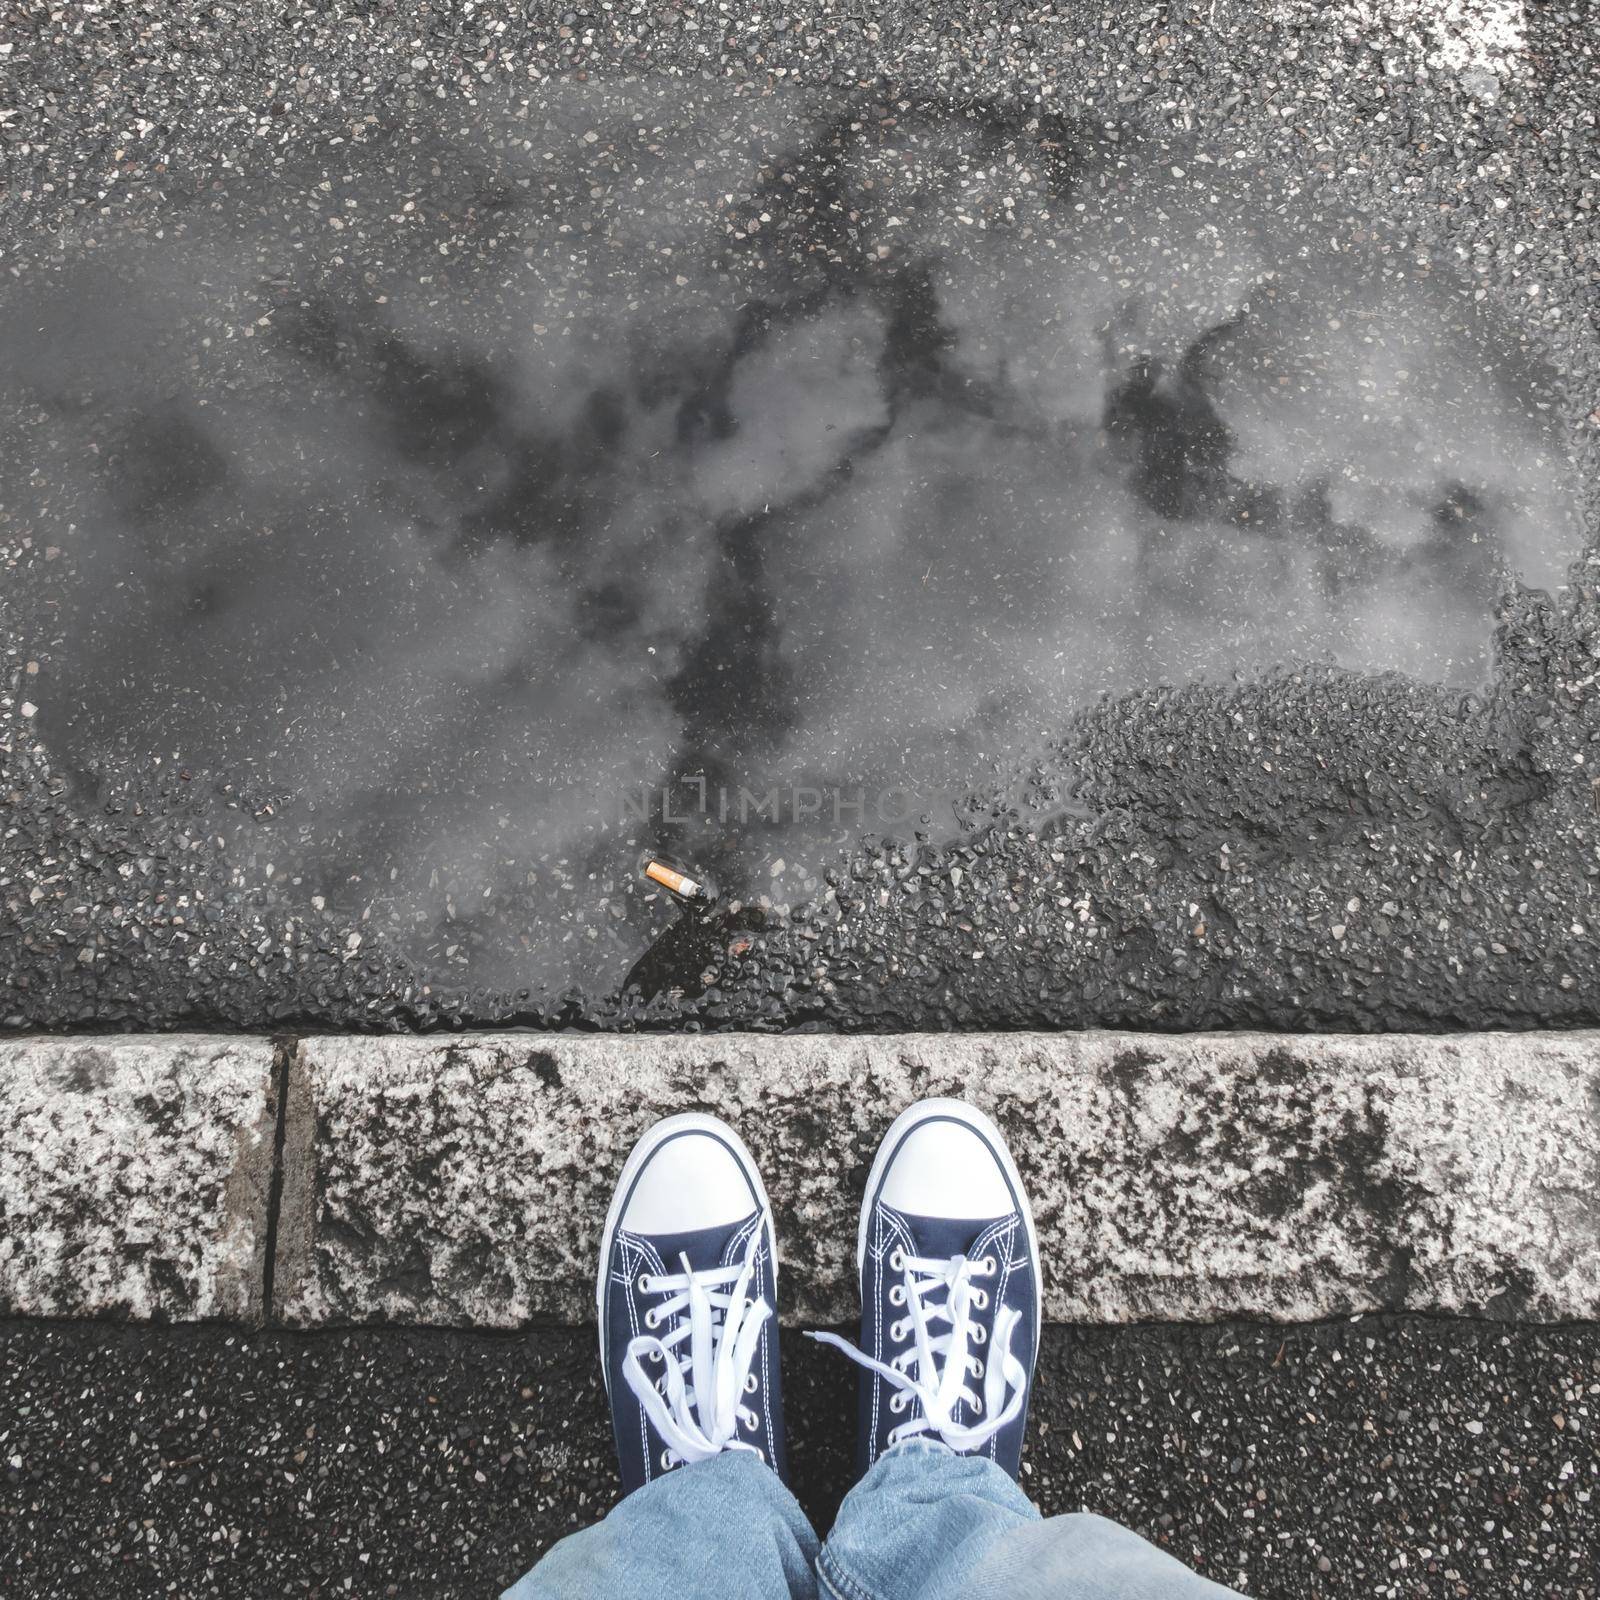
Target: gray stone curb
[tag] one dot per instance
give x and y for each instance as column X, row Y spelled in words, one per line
column 1175, row 1178
column 135, row 1177
column 462, row 1181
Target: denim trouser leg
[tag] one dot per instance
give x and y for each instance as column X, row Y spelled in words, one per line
column 726, row 1526
column 926, row 1524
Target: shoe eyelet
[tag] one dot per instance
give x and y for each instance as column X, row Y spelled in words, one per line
column 978, row 1332
column 977, row 1407
column 989, row 1266
column 761, row 1455
column 898, row 1331
column 751, row 1384
column 897, row 1259
column 645, row 1280
column 980, row 1299
column 667, row 1462
column 650, row 1318
column 975, row 1366
column 897, row 1295
column 897, row 1402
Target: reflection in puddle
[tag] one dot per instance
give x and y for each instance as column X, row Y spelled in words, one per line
column 552, row 503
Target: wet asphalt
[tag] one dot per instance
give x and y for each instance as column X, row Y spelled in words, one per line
column 301, row 775
column 1376, row 1458
column 443, row 448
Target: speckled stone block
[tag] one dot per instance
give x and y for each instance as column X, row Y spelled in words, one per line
column 134, row 1177
column 1173, row 1177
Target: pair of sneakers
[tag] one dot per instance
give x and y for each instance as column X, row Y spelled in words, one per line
column 688, row 1280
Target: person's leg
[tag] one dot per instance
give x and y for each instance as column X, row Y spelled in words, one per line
column 950, row 1300
column 723, row 1526
column 687, row 1281
column 928, row 1524
column 920, row 1514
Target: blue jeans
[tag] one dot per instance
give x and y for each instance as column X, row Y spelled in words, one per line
column 924, row 1524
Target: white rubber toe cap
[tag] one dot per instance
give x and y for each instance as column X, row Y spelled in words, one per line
column 691, row 1174
column 942, row 1167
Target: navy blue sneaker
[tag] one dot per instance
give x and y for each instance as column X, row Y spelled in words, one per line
column 949, row 1270
column 687, row 1288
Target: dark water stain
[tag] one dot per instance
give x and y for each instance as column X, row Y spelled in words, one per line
column 594, row 496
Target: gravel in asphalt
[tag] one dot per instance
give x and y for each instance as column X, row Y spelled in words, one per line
column 254, row 775
column 1380, row 1457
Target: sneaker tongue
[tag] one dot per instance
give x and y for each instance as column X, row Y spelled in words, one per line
column 938, row 1238
column 706, row 1248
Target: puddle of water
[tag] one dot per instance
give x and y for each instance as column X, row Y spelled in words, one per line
column 730, row 478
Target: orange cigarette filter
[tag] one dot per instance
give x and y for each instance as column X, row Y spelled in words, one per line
column 671, row 878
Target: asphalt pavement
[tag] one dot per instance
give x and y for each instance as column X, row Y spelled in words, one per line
column 1067, row 515
column 1383, row 1457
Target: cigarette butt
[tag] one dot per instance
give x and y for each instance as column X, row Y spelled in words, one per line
column 671, row 878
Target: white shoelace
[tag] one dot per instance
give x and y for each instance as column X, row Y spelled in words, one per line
column 702, row 1408
column 943, row 1291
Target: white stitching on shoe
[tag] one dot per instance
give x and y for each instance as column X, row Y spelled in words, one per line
column 630, row 1253
column 1007, row 1262
column 877, row 1299
column 766, row 1361
column 741, row 1236
column 644, row 1252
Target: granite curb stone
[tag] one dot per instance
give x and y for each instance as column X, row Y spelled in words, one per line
column 462, row 1182
column 135, row 1177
